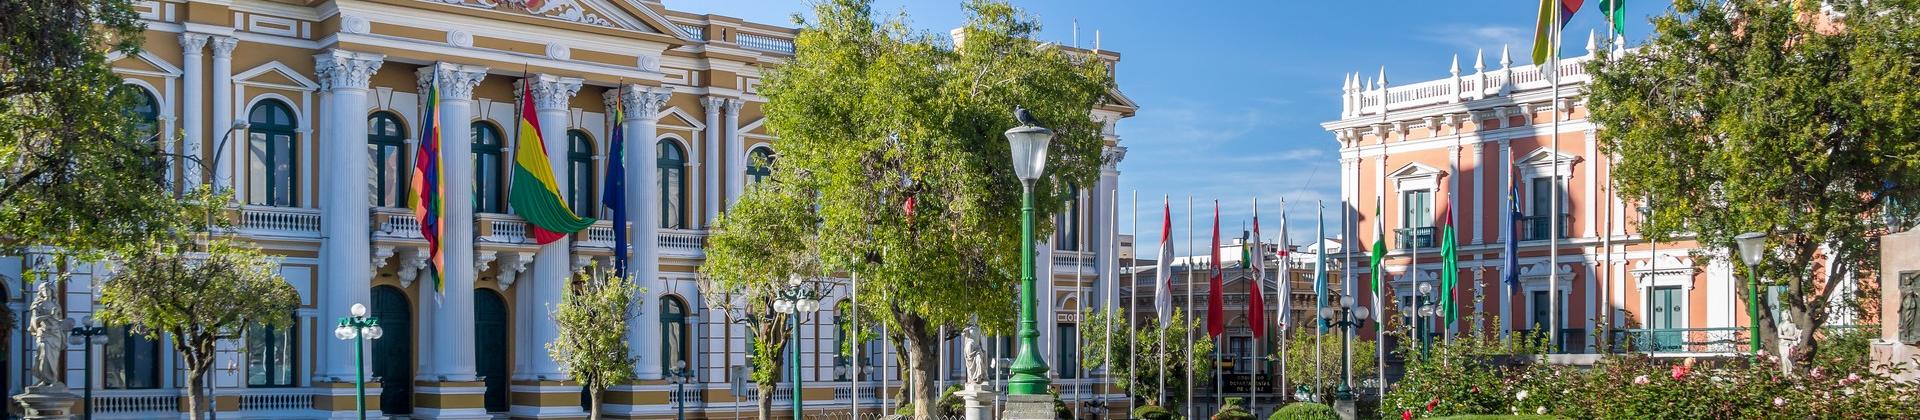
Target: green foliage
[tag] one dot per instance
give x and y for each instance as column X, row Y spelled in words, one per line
column 1499, row 417
column 871, row 113
column 1305, row 411
column 1760, row 116
column 951, row 405
column 1232, row 410
column 761, row 242
column 1847, row 349
column 1463, row 376
column 169, row 288
column 1156, row 346
column 1302, row 368
column 78, row 171
column 592, row 321
column 1153, row 412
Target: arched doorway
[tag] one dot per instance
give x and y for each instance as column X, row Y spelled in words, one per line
column 393, row 352
column 489, row 342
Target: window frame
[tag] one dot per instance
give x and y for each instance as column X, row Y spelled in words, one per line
column 673, row 317
column 580, row 158
column 759, row 165
column 488, row 200
column 267, row 133
column 379, row 143
column 127, row 336
column 290, row 348
column 672, row 189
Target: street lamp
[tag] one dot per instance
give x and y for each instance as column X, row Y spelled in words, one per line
column 796, row 299
column 359, row 327
column 1425, row 310
column 1029, row 145
column 680, row 376
column 83, row 333
column 1347, row 317
column 1752, row 245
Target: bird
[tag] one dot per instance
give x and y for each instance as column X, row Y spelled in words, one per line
column 1026, row 118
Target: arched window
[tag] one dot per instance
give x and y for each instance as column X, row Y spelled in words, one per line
column 1066, row 223
column 673, row 332
column 759, row 164
column 487, row 148
column 132, row 361
column 387, row 159
column 270, row 355
column 580, row 173
column 274, row 153
column 146, row 112
column 673, row 185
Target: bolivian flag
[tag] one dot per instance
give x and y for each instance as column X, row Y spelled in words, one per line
column 535, row 195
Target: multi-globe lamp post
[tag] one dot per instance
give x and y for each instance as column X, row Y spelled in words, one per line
column 1348, row 316
column 1753, row 245
column 680, row 376
column 358, row 327
column 83, row 333
column 1029, row 146
column 796, row 299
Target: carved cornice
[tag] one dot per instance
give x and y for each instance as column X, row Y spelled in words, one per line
column 482, row 258
column 338, row 69
column 511, row 267
column 456, row 80
column 380, row 256
column 551, row 92
column 412, row 262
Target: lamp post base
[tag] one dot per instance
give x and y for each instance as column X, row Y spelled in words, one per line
column 1345, row 409
column 1029, row 407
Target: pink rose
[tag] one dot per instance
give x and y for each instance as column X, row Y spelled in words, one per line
column 1640, row 380
column 1779, row 402
column 1817, row 373
column 1680, row 372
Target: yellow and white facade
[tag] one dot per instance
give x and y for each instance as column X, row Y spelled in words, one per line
column 331, row 94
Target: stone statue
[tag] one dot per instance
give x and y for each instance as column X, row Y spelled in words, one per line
column 976, row 358
column 1910, row 307
column 49, row 328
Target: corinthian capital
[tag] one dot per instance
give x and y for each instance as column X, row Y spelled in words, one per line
column 193, row 43
column 345, row 69
column 551, row 92
column 642, row 103
column 456, row 80
column 223, row 46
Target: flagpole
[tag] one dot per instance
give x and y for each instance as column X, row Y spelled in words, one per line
column 1079, row 268
column 1320, row 299
column 1259, row 269
column 1379, row 299
column 1284, row 295
column 1553, row 216
column 1188, row 406
column 1113, row 276
column 1133, row 286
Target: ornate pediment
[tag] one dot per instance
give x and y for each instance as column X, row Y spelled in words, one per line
column 604, row 13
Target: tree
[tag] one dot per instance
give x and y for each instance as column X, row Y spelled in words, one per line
column 1306, row 367
column 592, row 345
column 1106, row 333
column 1771, row 116
column 167, row 288
column 765, row 239
column 872, row 115
column 78, row 171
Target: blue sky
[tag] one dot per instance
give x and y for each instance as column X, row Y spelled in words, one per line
column 1232, row 93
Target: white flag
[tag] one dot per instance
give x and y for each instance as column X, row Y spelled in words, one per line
column 1163, row 287
column 1284, row 254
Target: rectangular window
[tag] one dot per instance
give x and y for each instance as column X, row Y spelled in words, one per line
column 1066, row 224
column 1539, row 222
column 270, row 356
column 132, row 361
column 1068, row 353
column 1240, row 350
column 1416, row 219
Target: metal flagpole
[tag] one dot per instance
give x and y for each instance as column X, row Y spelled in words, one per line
column 1320, row 300
column 1259, row 266
column 1189, row 404
column 1133, row 287
column 1413, row 273
column 854, row 362
column 1112, row 277
column 1284, row 295
column 1379, row 293
column 1553, row 216
column 1079, row 267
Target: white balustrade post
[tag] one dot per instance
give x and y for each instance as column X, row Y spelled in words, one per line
column 344, row 247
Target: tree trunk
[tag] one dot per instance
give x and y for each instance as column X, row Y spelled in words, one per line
column 593, row 396
column 918, row 342
column 765, row 405
column 196, row 390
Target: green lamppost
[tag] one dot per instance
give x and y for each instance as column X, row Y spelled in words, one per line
column 1029, row 143
column 1752, row 245
column 1347, row 317
column 795, row 300
column 680, row 376
column 359, row 327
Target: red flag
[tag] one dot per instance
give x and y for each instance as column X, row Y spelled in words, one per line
column 1256, row 296
column 1216, row 302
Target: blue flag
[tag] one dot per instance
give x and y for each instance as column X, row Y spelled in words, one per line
column 614, row 197
column 1512, row 269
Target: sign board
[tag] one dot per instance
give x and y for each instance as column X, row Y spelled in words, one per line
column 737, row 379
column 1237, row 383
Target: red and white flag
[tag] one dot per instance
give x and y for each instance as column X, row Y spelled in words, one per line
column 1163, row 286
column 1257, row 301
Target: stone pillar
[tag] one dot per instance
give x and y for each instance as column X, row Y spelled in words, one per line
column 643, row 105
column 344, row 248
column 448, row 385
column 552, row 266
column 712, row 154
column 979, row 403
column 226, row 144
column 736, row 152
column 193, row 103
column 1108, row 224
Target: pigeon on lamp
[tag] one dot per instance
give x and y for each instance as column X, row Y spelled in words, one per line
column 1020, row 114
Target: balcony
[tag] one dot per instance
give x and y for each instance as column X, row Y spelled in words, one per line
column 500, row 229
column 687, row 243
column 278, row 221
column 764, row 43
column 1421, row 237
column 1534, row 228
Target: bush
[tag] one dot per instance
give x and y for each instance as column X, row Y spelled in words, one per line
column 1499, row 417
column 1232, row 410
column 1305, row 411
column 1152, row 412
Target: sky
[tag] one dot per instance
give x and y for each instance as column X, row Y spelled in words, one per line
column 1232, row 93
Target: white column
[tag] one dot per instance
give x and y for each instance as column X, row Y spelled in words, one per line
column 1478, row 214
column 552, row 266
column 1109, row 183
column 643, row 105
column 712, row 104
column 192, row 117
column 450, row 355
column 345, row 266
column 223, row 114
column 736, row 152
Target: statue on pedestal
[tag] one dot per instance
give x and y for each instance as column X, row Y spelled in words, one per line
column 976, row 358
column 1910, row 307
column 49, row 328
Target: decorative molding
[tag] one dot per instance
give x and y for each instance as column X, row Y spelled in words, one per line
column 459, row 38
column 193, row 44
column 647, row 62
column 482, row 258
column 558, row 52
column 345, row 69
column 712, row 104
column 223, row 46
column 456, row 80
column 580, row 262
column 356, row 25
column 567, row 10
column 380, row 256
column 1111, row 156
column 643, row 103
column 412, row 261
column 733, row 107
column 551, row 92
column 511, row 267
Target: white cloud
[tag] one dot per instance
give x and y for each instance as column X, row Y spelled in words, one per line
column 1479, row 37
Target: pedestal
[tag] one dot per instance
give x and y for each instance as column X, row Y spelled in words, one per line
column 1029, row 407
column 1345, row 409
column 979, row 403
column 48, row 403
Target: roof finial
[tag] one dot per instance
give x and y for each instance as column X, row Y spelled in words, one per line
column 1383, row 77
column 1456, row 65
column 1479, row 60
column 1369, row 84
column 1591, row 46
column 1506, row 58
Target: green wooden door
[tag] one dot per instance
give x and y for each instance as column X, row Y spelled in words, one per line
column 489, row 344
column 1664, row 318
column 393, row 352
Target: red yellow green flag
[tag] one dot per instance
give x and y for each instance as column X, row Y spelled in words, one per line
column 536, row 197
